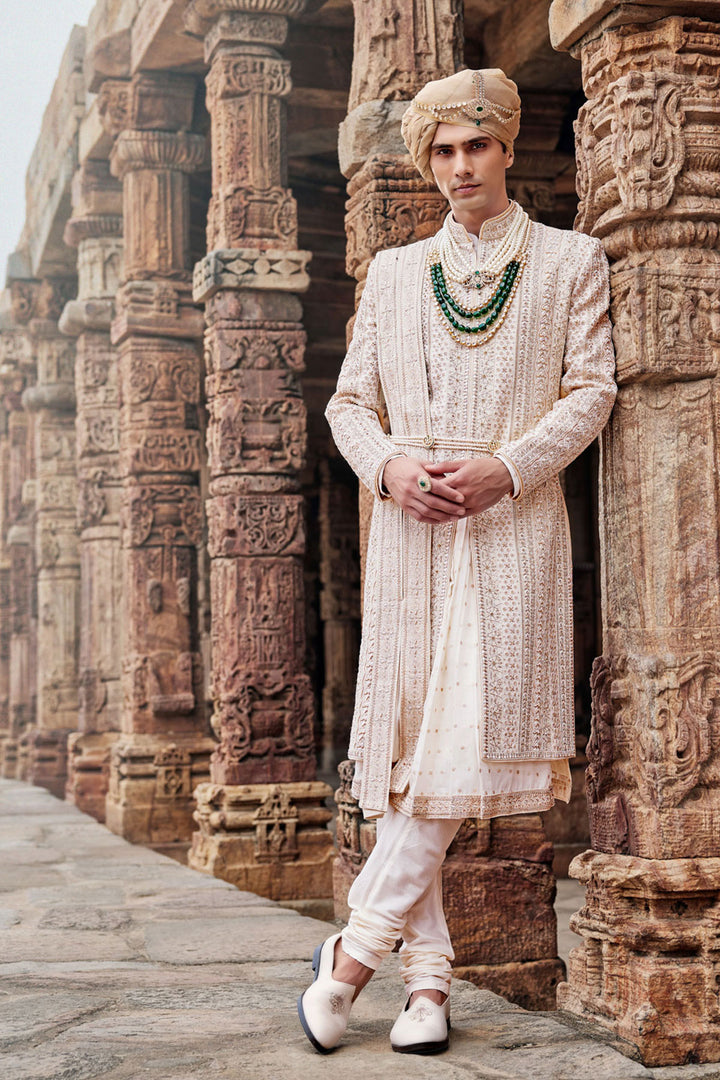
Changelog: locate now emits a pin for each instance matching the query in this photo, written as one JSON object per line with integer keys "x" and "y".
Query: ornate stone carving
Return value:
{"x": 54, "y": 634}
{"x": 155, "y": 330}
{"x": 389, "y": 205}
{"x": 647, "y": 148}
{"x": 339, "y": 604}
{"x": 270, "y": 838}
{"x": 173, "y": 773}
{"x": 163, "y": 514}
{"x": 114, "y": 105}
{"x": 244, "y": 525}
{"x": 648, "y": 179}
{"x": 201, "y": 14}
{"x": 263, "y": 700}
{"x": 250, "y": 269}
{"x": 276, "y": 821}
{"x": 400, "y": 47}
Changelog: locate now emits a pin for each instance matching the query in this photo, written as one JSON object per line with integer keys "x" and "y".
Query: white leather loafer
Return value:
{"x": 324, "y": 1008}
{"x": 421, "y": 1028}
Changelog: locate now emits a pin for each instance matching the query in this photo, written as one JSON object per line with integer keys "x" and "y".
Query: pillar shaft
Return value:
{"x": 648, "y": 181}
{"x": 96, "y": 230}
{"x": 164, "y": 748}
{"x": 53, "y": 667}
{"x": 15, "y": 359}
{"x": 262, "y": 820}
{"x": 22, "y": 690}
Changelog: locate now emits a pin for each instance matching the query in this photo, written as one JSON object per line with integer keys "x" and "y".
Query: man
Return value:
{"x": 489, "y": 345}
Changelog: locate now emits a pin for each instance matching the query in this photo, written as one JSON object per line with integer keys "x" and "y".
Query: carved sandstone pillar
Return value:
{"x": 14, "y": 358}
{"x": 649, "y": 166}
{"x": 96, "y": 230}
{"x": 52, "y": 402}
{"x": 20, "y": 533}
{"x": 500, "y": 944}
{"x": 164, "y": 748}
{"x": 4, "y": 580}
{"x": 263, "y": 818}
{"x": 339, "y": 605}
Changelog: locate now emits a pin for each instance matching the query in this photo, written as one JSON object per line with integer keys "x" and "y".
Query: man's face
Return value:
{"x": 470, "y": 172}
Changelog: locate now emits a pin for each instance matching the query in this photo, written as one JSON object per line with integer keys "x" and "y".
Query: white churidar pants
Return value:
{"x": 398, "y": 893}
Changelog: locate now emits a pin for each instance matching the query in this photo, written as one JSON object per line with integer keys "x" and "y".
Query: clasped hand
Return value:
{"x": 459, "y": 488}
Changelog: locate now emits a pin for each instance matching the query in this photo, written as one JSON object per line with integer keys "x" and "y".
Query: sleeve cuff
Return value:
{"x": 515, "y": 475}
{"x": 380, "y": 491}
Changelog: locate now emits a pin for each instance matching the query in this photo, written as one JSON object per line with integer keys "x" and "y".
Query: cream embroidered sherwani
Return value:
{"x": 537, "y": 393}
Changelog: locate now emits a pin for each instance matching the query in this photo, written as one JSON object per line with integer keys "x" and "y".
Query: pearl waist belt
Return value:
{"x": 429, "y": 442}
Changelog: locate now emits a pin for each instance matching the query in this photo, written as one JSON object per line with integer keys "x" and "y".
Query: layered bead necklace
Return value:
{"x": 449, "y": 265}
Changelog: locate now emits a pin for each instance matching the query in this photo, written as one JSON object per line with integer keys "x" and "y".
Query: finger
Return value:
{"x": 439, "y": 467}
{"x": 447, "y": 506}
{"x": 433, "y": 518}
{"x": 444, "y": 491}
{"x": 424, "y": 512}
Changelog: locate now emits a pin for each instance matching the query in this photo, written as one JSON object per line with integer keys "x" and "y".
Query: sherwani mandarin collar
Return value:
{"x": 491, "y": 231}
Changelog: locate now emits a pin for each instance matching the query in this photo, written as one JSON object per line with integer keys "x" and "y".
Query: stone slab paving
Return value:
{"x": 119, "y": 963}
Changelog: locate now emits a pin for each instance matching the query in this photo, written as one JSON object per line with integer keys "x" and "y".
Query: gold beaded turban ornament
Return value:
{"x": 484, "y": 100}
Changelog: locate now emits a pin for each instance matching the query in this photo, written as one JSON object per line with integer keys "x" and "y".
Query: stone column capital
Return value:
{"x": 159, "y": 150}
{"x": 236, "y": 74}
{"x": 149, "y": 102}
{"x": 200, "y": 15}
{"x": 97, "y": 204}
{"x": 571, "y": 22}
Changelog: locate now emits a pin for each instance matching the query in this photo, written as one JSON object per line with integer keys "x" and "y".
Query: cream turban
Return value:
{"x": 483, "y": 100}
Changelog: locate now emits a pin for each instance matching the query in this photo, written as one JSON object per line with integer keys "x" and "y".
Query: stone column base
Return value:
{"x": 9, "y": 759}
{"x": 22, "y": 764}
{"x": 152, "y": 779}
{"x": 89, "y": 770}
{"x": 270, "y": 839}
{"x": 43, "y": 759}
{"x": 648, "y": 967}
{"x": 532, "y": 984}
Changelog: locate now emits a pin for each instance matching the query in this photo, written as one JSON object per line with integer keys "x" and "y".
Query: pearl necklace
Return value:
{"x": 455, "y": 260}
{"x": 448, "y": 260}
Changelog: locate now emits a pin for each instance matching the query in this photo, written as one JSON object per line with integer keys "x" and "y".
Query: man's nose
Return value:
{"x": 462, "y": 164}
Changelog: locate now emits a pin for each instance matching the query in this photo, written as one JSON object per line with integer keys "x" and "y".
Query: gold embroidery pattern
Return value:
{"x": 483, "y": 806}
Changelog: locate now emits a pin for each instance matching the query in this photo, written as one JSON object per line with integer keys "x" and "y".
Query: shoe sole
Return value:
{"x": 426, "y": 1049}
{"x": 301, "y": 1012}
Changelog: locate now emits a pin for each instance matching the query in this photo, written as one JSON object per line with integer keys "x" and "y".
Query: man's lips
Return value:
{"x": 466, "y": 187}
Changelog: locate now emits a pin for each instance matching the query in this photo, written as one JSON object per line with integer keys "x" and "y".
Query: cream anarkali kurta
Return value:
{"x": 465, "y": 693}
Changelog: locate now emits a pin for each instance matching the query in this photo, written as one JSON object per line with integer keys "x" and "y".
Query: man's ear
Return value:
{"x": 510, "y": 159}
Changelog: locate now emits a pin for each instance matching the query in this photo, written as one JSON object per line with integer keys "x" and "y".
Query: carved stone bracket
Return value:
{"x": 250, "y": 269}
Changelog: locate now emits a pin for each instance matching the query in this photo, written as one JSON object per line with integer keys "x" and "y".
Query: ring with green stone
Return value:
{"x": 424, "y": 483}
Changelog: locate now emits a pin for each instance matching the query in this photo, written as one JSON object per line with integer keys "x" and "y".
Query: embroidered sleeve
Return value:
{"x": 353, "y": 411}
{"x": 587, "y": 387}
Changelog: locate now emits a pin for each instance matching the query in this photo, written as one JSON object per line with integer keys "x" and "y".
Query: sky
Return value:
{"x": 33, "y": 36}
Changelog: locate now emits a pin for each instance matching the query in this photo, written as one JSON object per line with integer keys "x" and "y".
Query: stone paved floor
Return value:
{"x": 119, "y": 963}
